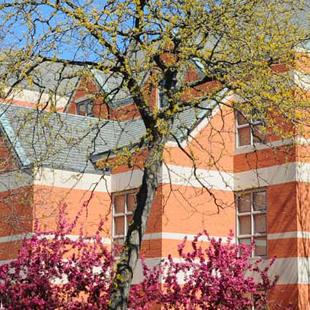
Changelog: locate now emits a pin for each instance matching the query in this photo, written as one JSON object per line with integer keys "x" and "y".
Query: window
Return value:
{"x": 252, "y": 220}
{"x": 123, "y": 206}
{"x": 249, "y": 133}
{"x": 162, "y": 98}
{"x": 85, "y": 107}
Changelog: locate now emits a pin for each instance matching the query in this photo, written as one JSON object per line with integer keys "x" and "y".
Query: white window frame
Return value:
{"x": 252, "y": 214}
{"x": 251, "y": 125}
{"x": 122, "y": 214}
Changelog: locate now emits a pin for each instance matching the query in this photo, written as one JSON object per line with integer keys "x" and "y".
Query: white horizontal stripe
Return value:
{"x": 228, "y": 181}
{"x": 262, "y": 146}
{"x": 265, "y": 176}
{"x": 185, "y": 176}
{"x": 76, "y": 237}
{"x": 5, "y": 261}
{"x": 87, "y": 181}
{"x": 170, "y": 174}
{"x": 12, "y": 238}
{"x": 35, "y": 97}
{"x": 280, "y": 174}
{"x": 289, "y": 235}
{"x": 292, "y": 270}
{"x": 178, "y": 175}
{"x": 126, "y": 180}
{"x": 302, "y": 80}
{"x": 178, "y": 236}
{"x": 74, "y": 180}
{"x": 19, "y": 237}
{"x": 303, "y": 172}
{"x": 299, "y": 140}
{"x": 71, "y": 180}
{"x": 181, "y": 236}
{"x": 174, "y": 236}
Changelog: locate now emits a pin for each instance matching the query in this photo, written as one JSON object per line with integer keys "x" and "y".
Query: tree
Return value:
{"x": 235, "y": 43}
{"x": 54, "y": 271}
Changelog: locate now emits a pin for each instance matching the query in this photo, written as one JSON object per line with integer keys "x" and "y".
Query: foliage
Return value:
{"x": 56, "y": 271}
{"x": 233, "y": 44}
{"x": 214, "y": 277}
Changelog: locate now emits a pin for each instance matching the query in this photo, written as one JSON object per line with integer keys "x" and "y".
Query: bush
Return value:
{"x": 56, "y": 271}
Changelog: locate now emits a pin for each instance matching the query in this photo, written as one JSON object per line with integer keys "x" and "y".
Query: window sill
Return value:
{"x": 261, "y": 146}
{"x": 252, "y": 148}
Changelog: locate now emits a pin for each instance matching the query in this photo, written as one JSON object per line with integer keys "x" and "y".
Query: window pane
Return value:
{"x": 259, "y": 201}
{"x": 246, "y": 241}
{"x": 82, "y": 108}
{"x": 131, "y": 202}
{"x": 244, "y": 203}
{"x": 241, "y": 119}
{"x": 85, "y": 107}
{"x": 119, "y": 204}
{"x": 119, "y": 225}
{"x": 258, "y": 134}
{"x": 260, "y": 246}
{"x": 129, "y": 219}
{"x": 260, "y": 223}
{"x": 89, "y": 108}
{"x": 244, "y": 225}
{"x": 244, "y": 136}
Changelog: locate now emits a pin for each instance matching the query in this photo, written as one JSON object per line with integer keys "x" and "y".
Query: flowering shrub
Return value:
{"x": 55, "y": 271}
{"x": 213, "y": 277}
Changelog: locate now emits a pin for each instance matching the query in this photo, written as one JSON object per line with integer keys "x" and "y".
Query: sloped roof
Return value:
{"x": 61, "y": 79}
{"x": 111, "y": 84}
{"x": 64, "y": 141}
{"x": 69, "y": 142}
{"x": 49, "y": 77}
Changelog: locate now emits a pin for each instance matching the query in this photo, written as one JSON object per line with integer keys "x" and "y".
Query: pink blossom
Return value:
{"x": 53, "y": 271}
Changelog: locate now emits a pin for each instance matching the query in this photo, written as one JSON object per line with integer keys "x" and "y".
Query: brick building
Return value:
{"x": 257, "y": 185}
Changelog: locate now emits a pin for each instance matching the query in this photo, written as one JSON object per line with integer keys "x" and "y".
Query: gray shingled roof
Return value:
{"x": 67, "y": 141}
{"x": 64, "y": 141}
{"x": 49, "y": 77}
{"x": 112, "y": 84}
{"x": 61, "y": 80}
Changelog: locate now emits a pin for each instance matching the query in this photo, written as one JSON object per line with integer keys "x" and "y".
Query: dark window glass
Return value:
{"x": 85, "y": 107}
{"x": 244, "y": 136}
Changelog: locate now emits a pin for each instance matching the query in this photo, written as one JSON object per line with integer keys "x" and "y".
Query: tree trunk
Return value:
{"x": 130, "y": 253}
